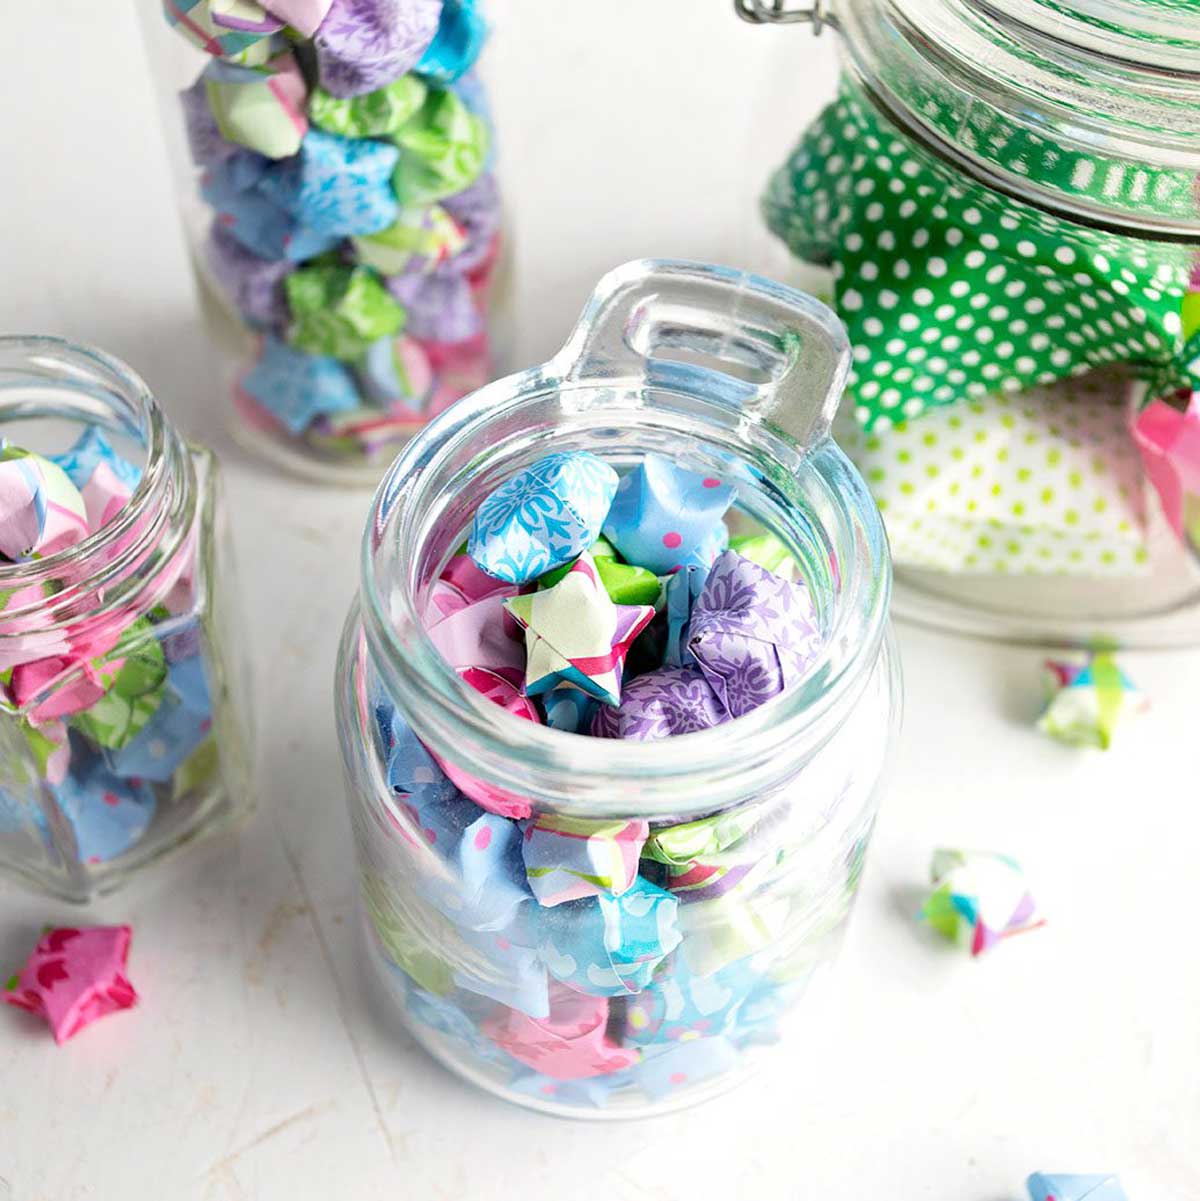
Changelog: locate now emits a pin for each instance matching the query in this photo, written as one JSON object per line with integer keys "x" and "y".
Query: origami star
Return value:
{"x": 179, "y": 725}
{"x": 74, "y": 977}
{"x": 570, "y": 1044}
{"x": 261, "y": 109}
{"x": 609, "y": 946}
{"x": 751, "y": 633}
{"x": 546, "y": 516}
{"x": 665, "y": 516}
{"x": 296, "y": 388}
{"x": 981, "y": 896}
{"x": 660, "y": 704}
{"x": 41, "y": 511}
{"x": 625, "y": 583}
{"x": 568, "y": 858}
{"x": 574, "y": 634}
{"x": 1088, "y": 697}
{"x": 107, "y": 814}
{"x": 1057, "y": 1186}
{"x": 1169, "y": 439}
{"x": 105, "y": 480}
{"x": 336, "y": 186}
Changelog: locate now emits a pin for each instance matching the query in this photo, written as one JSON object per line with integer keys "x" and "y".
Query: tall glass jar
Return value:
{"x": 335, "y": 161}
{"x": 736, "y": 377}
{"x": 122, "y": 726}
{"x": 1007, "y": 194}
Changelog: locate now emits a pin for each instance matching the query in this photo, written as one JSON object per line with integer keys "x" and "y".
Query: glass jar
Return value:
{"x": 335, "y": 164}
{"x": 737, "y": 377}
{"x": 1007, "y": 194}
{"x": 121, "y": 731}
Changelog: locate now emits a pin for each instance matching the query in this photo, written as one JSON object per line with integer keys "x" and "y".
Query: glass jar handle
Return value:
{"x": 780, "y": 355}
{"x": 776, "y": 12}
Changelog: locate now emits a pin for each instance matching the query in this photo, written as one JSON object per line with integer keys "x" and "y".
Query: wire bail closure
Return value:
{"x": 773, "y": 12}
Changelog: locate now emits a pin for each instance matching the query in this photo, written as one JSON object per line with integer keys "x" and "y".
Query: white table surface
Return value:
{"x": 255, "y": 1066}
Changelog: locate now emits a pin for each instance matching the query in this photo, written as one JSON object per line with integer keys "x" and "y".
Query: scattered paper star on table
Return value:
{"x": 73, "y": 977}
{"x": 574, "y": 634}
{"x": 1089, "y": 696}
{"x": 979, "y": 897}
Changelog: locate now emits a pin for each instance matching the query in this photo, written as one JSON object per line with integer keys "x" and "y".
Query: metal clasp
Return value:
{"x": 774, "y": 12}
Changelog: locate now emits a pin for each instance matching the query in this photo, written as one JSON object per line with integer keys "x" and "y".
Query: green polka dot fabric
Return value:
{"x": 951, "y": 291}
{"x": 1047, "y": 482}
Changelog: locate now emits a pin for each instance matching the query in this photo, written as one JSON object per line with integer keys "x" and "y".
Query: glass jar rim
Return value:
{"x": 156, "y": 517}
{"x": 1060, "y": 113}
{"x": 599, "y": 773}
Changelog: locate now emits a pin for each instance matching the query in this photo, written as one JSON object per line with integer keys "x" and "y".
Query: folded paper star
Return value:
{"x": 677, "y": 1005}
{"x": 235, "y": 186}
{"x": 570, "y": 1044}
{"x": 363, "y": 44}
{"x": 451, "y": 1019}
{"x": 296, "y": 388}
{"x": 508, "y": 696}
{"x": 481, "y": 634}
{"x": 339, "y": 311}
{"x": 213, "y": 25}
{"x": 419, "y": 240}
{"x": 1088, "y": 697}
{"x": 75, "y": 976}
{"x": 1169, "y": 439}
{"x": 682, "y": 592}
{"x": 377, "y": 114}
{"x": 625, "y": 583}
{"x": 443, "y": 150}
{"x": 660, "y": 704}
{"x": 752, "y": 633}
{"x": 574, "y": 634}
{"x": 1058, "y": 1186}
{"x": 105, "y": 480}
{"x": 394, "y": 373}
{"x": 569, "y": 858}
{"x": 41, "y": 511}
{"x": 979, "y": 898}
{"x": 179, "y": 725}
{"x": 609, "y": 946}
{"x": 336, "y": 186}
{"x": 460, "y": 36}
{"x": 546, "y": 516}
{"x": 107, "y": 814}
{"x": 714, "y": 855}
{"x": 259, "y": 108}
{"x": 663, "y": 516}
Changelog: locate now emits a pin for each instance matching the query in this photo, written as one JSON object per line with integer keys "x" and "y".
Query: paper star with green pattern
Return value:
{"x": 575, "y": 634}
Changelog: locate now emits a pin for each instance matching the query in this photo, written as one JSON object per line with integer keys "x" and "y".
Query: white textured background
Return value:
{"x": 255, "y": 1066}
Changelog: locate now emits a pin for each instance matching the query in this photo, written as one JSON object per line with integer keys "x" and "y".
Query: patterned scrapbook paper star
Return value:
{"x": 73, "y": 977}
{"x": 574, "y": 634}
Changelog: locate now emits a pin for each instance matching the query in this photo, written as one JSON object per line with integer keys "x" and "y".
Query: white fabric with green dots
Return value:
{"x": 1044, "y": 481}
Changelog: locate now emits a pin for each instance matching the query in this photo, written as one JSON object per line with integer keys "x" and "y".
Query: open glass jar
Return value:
{"x": 1006, "y": 191}
{"x": 121, "y": 728}
{"x": 736, "y": 377}
{"x": 335, "y": 168}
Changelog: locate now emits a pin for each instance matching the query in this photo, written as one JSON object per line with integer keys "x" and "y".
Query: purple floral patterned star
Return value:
{"x": 752, "y": 633}
{"x": 364, "y": 44}
{"x": 671, "y": 700}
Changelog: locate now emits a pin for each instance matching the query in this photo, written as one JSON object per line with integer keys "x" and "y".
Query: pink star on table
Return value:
{"x": 575, "y": 634}
{"x": 75, "y": 976}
